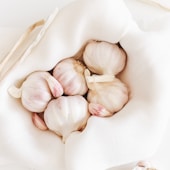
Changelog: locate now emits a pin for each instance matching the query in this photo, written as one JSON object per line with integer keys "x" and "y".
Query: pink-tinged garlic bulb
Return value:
{"x": 105, "y": 96}
{"x": 70, "y": 73}
{"x": 104, "y": 58}
{"x": 66, "y": 114}
{"x": 37, "y": 90}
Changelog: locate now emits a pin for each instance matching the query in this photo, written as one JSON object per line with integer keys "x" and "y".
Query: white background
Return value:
{"x": 20, "y": 14}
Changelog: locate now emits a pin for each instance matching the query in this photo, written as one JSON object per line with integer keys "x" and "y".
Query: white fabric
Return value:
{"x": 132, "y": 134}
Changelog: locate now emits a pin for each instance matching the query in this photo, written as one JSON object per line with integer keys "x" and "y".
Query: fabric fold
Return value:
{"x": 132, "y": 134}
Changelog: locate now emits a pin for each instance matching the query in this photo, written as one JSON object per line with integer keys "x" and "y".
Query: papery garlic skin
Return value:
{"x": 106, "y": 98}
{"x": 38, "y": 122}
{"x": 99, "y": 110}
{"x": 70, "y": 73}
{"x": 37, "y": 90}
{"x": 66, "y": 114}
{"x": 104, "y": 58}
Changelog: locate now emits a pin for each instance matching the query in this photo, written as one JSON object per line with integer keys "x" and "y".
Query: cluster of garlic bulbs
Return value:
{"x": 63, "y": 99}
{"x": 107, "y": 94}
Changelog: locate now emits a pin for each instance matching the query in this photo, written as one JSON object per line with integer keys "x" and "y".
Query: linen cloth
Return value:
{"x": 134, "y": 133}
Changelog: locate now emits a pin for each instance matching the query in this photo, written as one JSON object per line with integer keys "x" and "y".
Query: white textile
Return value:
{"x": 132, "y": 134}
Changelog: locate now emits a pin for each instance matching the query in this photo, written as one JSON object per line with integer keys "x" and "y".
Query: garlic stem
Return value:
{"x": 86, "y": 73}
{"x": 98, "y": 78}
{"x": 6, "y": 64}
{"x": 91, "y": 80}
{"x": 101, "y": 78}
{"x": 14, "y": 91}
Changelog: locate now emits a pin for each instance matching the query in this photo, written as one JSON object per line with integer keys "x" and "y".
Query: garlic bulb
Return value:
{"x": 66, "y": 114}
{"x": 105, "y": 97}
{"x": 70, "y": 73}
{"x": 37, "y": 90}
{"x": 104, "y": 58}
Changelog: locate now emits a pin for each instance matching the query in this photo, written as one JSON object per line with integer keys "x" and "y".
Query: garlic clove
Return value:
{"x": 55, "y": 86}
{"x": 66, "y": 114}
{"x": 38, "y": 122}
{"x": 104, "y": 58}
{"x": 98, "y": 110}
{"x": 70, "y": 73}
{"x": 36, "y": 91}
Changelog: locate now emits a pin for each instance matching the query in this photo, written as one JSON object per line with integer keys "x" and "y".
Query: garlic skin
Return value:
{"x": 38, "y": 122}
{"x": 99, "y": 110}
{"x": 66, "y": 114}
{"x": 37, "y": 90}
{"x": 105, "y": 97}
{"x": 104, "y": 58}
{"x": 70, "y": 73}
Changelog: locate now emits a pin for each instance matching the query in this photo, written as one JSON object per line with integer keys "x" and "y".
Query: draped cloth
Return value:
{"x": 132, "y": 134}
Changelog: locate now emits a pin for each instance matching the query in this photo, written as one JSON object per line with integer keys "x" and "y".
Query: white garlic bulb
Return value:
{"x": 70, "y": 73}
{"x": 104, "y": 58}
{"x": 37, "y": 90}
{"x": 105, "y": 97}
{"x": 66, "y": 114}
